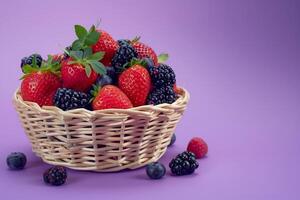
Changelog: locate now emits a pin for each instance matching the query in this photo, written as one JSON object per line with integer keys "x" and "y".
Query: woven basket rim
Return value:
{"x": 179, "y": 103}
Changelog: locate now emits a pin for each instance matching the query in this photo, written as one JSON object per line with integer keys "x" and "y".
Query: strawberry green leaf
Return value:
{"x": 81, "y": 32}
{"x": 76, "y": 45}
{"x": 77, "y": 55}
{"x": 162, "y": 57}
{"x": 96, "y": 56}
{"x": 92, "y": 29}
{"x": 92, "y": 38}
{"x": 88, "y": 70}
{"x": 28, "y": 69}
{"x": 95, "y": 90}
{"x": 66, "y": 51}
{"x": 34, "y": 61}
{"x": 50, "y": 59}
{"x": 87, "y": 52}
{"x": 72, "y": 62}
{"x": 98, "y": 67}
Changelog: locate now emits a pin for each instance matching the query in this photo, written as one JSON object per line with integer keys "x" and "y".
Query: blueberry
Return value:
{"x": 16, "y": 161}
{"x": 104, "y": 80}
{"x": 110, "y": 71}
{"x": 155, "y": 170}
{"x": 149, "y": 62}
{"x": 173, "y": 139}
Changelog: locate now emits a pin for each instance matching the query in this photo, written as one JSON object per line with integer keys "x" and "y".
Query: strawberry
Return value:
{"x": 40, "y": 84}
{"x": 74, "y": 76}
{"x": 106, "y": 44}
{"x": 135, "y": 82}
{"x": 198, "y": 146}
{"x": 81, "y": 69}
{"x": 144, "y": 51}
{"x": 108, "y": 97}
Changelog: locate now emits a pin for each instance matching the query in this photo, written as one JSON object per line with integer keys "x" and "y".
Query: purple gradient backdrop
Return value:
{"x": 240, "y": 61}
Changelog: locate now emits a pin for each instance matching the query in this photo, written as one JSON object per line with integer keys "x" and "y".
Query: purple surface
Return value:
{"x": 240, "y": 61}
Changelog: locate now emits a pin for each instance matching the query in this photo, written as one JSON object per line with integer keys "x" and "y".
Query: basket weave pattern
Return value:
{"x": 105, "y": 140}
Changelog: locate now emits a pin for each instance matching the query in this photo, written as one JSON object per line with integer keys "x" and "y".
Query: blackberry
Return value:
{"x": 55, "y": 176}
{"x": 185, "y": 163}
{"x": 124, "y": 54}
{"x": 155, "y": 170}
{"x": 123, "y": 42}
{"x": 162, "y": 75}
{"x": 16, "y": 160}
{"x": 68, "y": 99}
{"x": 162, "y": 95}
{"x": 29, "y": 60}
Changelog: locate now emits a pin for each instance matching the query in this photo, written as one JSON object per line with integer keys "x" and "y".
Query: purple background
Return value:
{"x": 240, "y": 61}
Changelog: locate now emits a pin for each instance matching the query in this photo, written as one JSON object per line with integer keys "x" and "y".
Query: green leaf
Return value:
{"x": 34, "y": 61}
{"x": 95, "y": 91}
{"x": 81, "y": 32}
{"x": 66, "y": 51}
{"x": 98, "y": 67}
{"x": 76, "y": 45}
{"x": 87, "y": 52}
{"x": 96, "y": 56}
{"x": 92, "y": 38}
{"x": 28, "y": 69}
{"x": 77, "y": 55}
{"x": 72, "y": 62}
{"x": 88, "y": 70}
{"x": 162, "y": 57}
{"x": 50, "y": 59}
{"x": 93, "y": 28}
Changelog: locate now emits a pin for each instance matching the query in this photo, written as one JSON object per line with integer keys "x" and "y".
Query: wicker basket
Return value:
{"x": 105, "y": 140}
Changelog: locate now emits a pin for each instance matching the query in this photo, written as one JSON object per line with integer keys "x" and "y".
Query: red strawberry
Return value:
{"x": 144, "y": 51}
{"x": 110, "y": 97}
{"x": 81, "y": 70}
{"x": 74, "y": 76}
{"x": 107, "y": 45}
{"x": 40, "y": 84}
{"x": 198, "y": 146}
{"x": 135, "y": 82}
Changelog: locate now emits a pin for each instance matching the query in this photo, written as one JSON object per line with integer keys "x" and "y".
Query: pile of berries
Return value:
{"x": 97, "y": 72}
{"x": 183, "y": 164}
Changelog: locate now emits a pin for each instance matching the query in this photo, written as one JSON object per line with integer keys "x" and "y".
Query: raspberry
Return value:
{"x": 198, "y": 146}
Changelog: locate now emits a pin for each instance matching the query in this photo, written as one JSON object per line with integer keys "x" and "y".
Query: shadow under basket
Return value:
{"x": 104, "y": 140}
